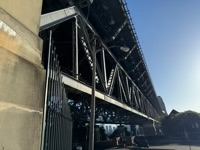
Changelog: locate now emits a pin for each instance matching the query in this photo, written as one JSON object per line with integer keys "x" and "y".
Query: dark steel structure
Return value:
{"x": 100, "y": 57}
{"x": 57, "y": 124}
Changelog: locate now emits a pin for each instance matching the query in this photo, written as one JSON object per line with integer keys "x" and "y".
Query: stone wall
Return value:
{"x": 22, "y": 78}
{"x": 25, "y": 11}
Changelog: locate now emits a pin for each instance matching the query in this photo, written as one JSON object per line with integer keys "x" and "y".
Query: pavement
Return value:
{"x": 162, "y": 147}
{"x": 176, "y": 147}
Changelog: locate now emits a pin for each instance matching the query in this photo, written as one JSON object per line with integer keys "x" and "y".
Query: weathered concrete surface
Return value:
{"x": 25, "y": 11}
{"x": 18, "y": 39}
{"x": 22, "y": 80}
{"x": 21, "y": 102}
{"x": 19, "y": 128}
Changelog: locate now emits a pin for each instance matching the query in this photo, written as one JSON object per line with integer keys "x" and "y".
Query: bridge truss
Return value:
{"x": 99, "y": 55}
{"x": 114, "y": 84}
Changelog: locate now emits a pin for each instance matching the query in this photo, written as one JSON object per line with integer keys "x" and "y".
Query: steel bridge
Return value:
{"x": 68, "y": 66}
{"x": 100, "y": 56}
{"x": 122, "y": 77}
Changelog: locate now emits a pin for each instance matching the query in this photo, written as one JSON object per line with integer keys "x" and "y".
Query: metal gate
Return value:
{"x": 57, "y": 122}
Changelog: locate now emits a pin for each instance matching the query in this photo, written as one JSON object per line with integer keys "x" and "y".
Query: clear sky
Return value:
{"x": 169, "y": 34}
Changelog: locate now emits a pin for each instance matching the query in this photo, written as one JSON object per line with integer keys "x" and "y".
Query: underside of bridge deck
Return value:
{"x": 101, "y": 62}
{"x": 112, "y": 22}
{"x": 124, "y": 90}
{"x": 73, "y": 36}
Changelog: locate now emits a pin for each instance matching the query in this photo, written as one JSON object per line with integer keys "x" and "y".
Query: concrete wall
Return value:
{"x": 25, "y": 11}
{"x": 21, "y": 102}
{"x": 22, "y": 78}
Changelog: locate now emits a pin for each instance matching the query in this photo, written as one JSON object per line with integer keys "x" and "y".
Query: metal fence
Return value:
{"x": 57, "y": 123}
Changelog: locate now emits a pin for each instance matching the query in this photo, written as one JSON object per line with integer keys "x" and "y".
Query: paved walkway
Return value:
{"x": 176, "y": 147}
{"x": 163, "y": 147}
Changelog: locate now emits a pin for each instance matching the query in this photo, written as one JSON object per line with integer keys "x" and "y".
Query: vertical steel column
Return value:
{"x": 76, "y": 24}
{"x": 75, "y": 70}
{"x": 113, "y": 79}
{"x": 122, "y": 87}
{"x": 93, "y": 100}
{"x": 104, "y": 68}
{"x": 128, "y": 90}
{"x": 46, "y": 92}
{"x": 135, "y": 97}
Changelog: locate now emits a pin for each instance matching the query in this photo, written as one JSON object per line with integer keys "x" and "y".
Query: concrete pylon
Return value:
{"x": 22, "y": 78}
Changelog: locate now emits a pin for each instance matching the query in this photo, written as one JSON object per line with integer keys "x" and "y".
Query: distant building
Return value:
{"x": 182, "y": 125}
{"x": 173, "y": 112}
{"x": 162, "y": 105}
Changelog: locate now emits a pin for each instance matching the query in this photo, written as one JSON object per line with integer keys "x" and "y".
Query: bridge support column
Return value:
{"x": 150, "y": 129}
{"x": 22, "y": 78}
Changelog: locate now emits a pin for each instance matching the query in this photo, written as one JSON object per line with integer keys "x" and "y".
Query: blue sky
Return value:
{"x": 169, "y": 34}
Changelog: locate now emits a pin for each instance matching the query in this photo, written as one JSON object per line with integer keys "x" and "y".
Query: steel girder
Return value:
{"x": 81, "y": 109}
{"x": 113, "y": 80}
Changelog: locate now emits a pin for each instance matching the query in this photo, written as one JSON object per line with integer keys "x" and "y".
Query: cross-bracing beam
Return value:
{"x": 47, "y": 22}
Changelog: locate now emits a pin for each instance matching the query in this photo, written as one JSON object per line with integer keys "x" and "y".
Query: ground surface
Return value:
{"x": 163, "y": 147}
{"x": 176, "y": 147}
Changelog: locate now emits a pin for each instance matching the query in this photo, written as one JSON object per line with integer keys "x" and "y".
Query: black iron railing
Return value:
{"x": 57, "y": 122}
